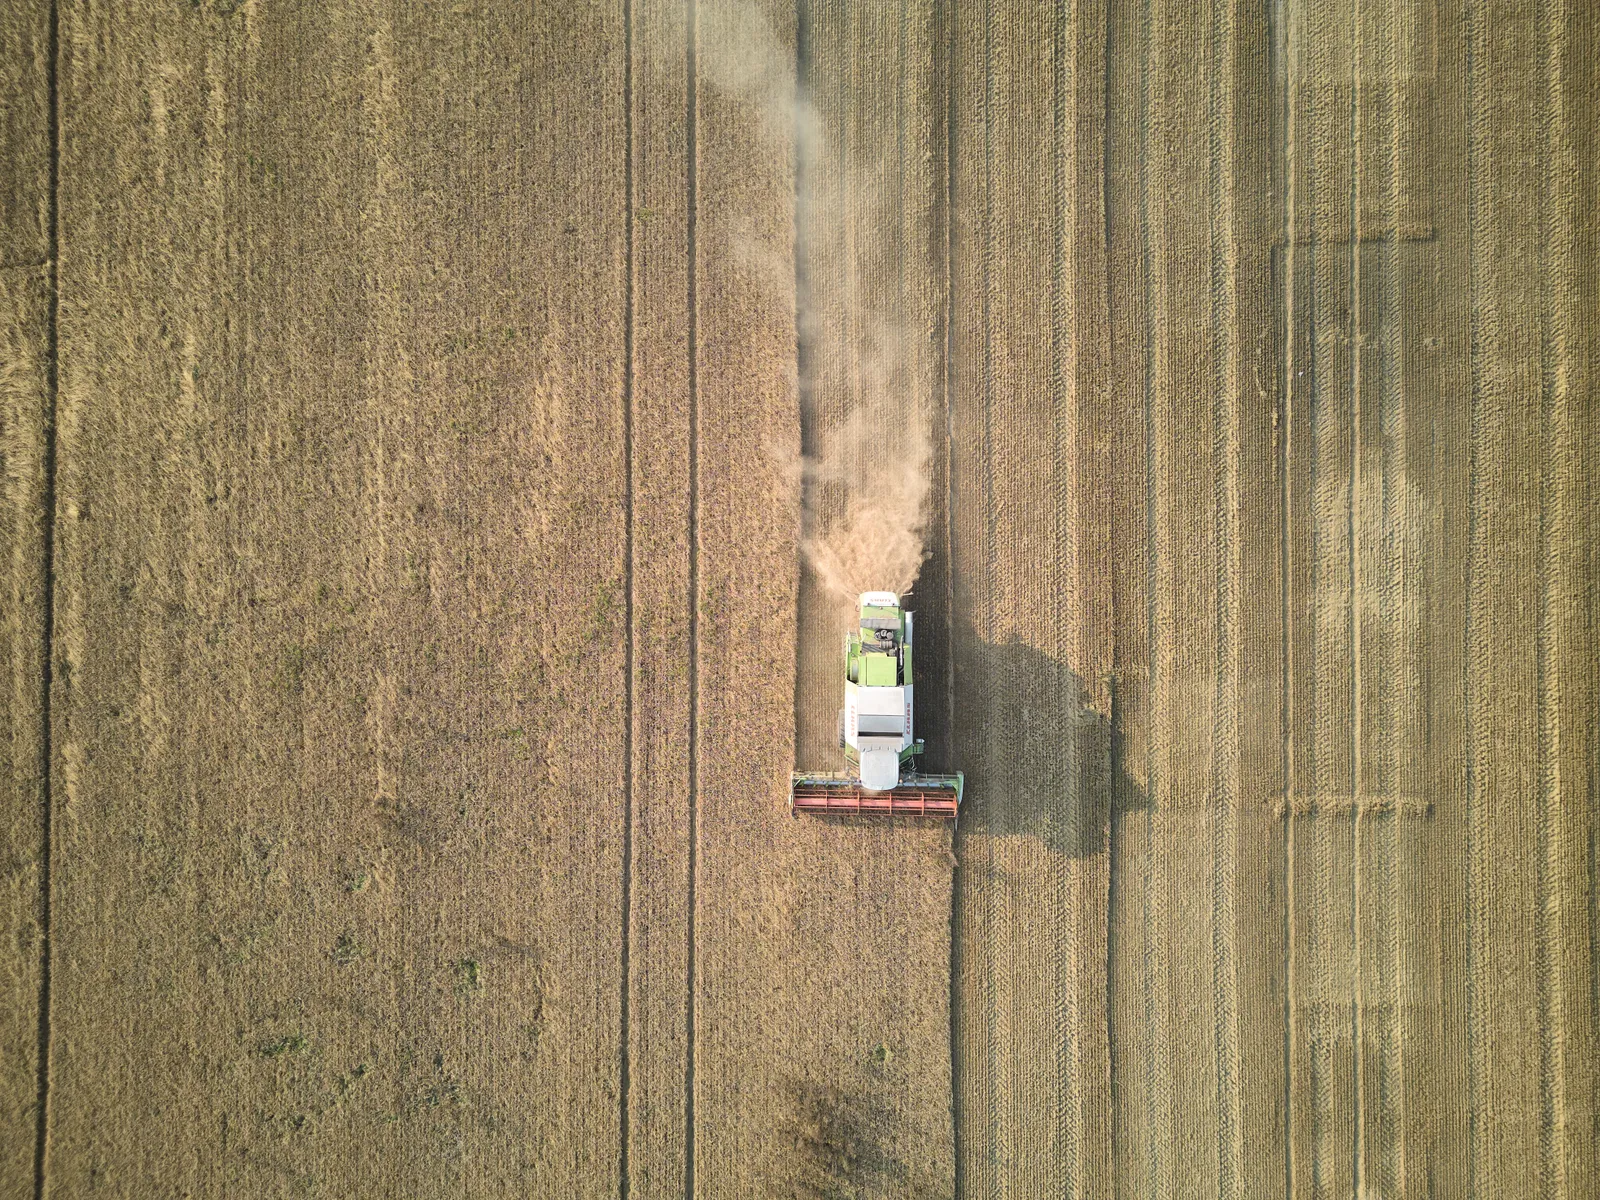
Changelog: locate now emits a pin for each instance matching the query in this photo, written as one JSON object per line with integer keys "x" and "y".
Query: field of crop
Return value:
{"x": 428, "y": 432}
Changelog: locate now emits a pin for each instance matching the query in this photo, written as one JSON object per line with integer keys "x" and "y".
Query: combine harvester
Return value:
{"x": 875, "y": 728}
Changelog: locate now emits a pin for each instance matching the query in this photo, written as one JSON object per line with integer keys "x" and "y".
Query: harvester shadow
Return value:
{"x": 1041, "y": 760}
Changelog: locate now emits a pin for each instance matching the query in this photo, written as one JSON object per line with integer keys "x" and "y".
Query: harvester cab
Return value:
{"x": 876, "y": 730}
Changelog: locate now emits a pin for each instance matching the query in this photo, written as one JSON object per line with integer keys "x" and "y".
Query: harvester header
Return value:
{"x": 876, "y": 730}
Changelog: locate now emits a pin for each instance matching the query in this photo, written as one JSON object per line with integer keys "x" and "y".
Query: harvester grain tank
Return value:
{"x": 876, "y": 728}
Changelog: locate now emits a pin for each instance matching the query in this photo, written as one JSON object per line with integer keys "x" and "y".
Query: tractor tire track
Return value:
{"x": 656, "y": 1135}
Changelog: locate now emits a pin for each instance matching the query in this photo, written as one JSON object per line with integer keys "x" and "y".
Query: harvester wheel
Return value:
{"x": 841, "y": 729}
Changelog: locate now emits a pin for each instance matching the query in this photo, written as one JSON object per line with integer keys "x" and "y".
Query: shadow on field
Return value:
{"x": 1037, "y": 755}
{"x": 836, "y": 1140}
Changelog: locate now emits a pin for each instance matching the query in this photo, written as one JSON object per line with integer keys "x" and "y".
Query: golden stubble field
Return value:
{"x": 411, "y": 420}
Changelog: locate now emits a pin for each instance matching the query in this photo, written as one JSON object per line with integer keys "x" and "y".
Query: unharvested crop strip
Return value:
{"x": 1398, "y": 657}
{"x": 1114, "y": 714}
{"x": 1358, "y": 1142}
{"x": 902, "y": 105}
{"x": 1066, "y": 1149}
{"x": 1151, "y": 1147}
{"x": 949, "y": 394}
{"x": 997, "y": 1129}
{"x": 1322, "y": 510}
{"x": 1158, "y": 1088}
{"x": 1285, "y": 43}
{"x": 1223, "y": 127}
{"x": 1548, "y": 919}
{"x": 1151, "y": 1137}
{"x": 1580, "y": 357}
{"x": 1319, "y": 1088}
{"x": 802, "y": 306}
{"x": 1547, "y": 705}
{"x": 41, "y": 1143}
{"x": 692, "y": 185}
{"x": 958, "y": 873}
{"x": 1471, "y": 635}
{"x": 625, "y": 1050}
{"x": 1563, "y": 460}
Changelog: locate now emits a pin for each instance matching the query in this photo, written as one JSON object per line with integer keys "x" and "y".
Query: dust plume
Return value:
{"x": 865, "y": 487}
{"x": 866, "y": 391}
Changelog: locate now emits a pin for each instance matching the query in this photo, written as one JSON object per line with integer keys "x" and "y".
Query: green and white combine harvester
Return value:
{"x": 875, "y": 729}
